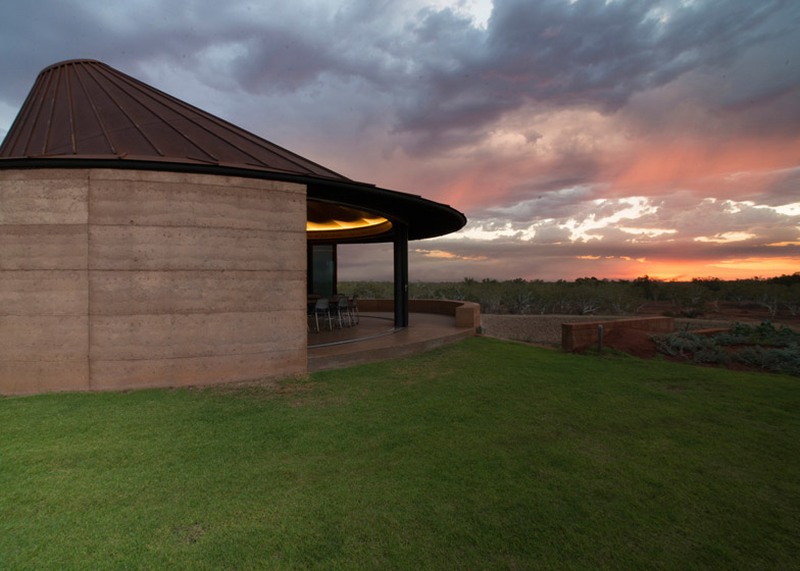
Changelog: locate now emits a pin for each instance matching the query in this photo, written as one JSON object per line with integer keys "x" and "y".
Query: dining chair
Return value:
{"x": 322, "y": 308}
{"x": 343, "y": 312}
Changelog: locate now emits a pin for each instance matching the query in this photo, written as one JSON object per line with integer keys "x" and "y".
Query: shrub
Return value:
{"x": 683, "y": 344}
{"x": 764, "y": 334}
{"x": 713, "y": 355}
{"x": 768, "y": 348}
{"x": 692, "y": 347}
{"x": 775, "y": 359}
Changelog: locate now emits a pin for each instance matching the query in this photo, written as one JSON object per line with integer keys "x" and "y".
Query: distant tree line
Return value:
{"x": 590, "y": 295}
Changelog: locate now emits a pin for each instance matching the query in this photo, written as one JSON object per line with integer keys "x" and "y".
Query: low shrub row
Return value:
{"x": 762, "y": 347}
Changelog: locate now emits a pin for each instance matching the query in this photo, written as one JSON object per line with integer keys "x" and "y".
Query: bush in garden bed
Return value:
{"x": 764, "y": 334}
{"x": 764, "y": 347}
{"x": 692, "y": 347}
{"x": 775, "y": 359}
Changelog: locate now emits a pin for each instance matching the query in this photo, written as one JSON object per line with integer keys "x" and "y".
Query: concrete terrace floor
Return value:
{"x": 375, "y": 339}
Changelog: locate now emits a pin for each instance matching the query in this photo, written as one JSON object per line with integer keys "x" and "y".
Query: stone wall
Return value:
{"x": 114, "y": 279}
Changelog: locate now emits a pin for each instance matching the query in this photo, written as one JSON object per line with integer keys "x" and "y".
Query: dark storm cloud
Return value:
{"x": 126, "y": 35}
{"x": 445, "y": 79}
{"x": 555, "y": 53}
{"x": 280, "y": 60}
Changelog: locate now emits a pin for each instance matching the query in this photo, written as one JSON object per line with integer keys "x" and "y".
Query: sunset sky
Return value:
{"x": 612, "y": 138}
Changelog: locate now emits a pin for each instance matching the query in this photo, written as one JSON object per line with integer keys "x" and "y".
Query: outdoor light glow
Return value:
{"x": 326, "y": 221}
{"x": 330, "y": 225}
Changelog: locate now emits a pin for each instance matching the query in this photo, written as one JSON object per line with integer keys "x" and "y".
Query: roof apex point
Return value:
{"x": 76, "y": 61}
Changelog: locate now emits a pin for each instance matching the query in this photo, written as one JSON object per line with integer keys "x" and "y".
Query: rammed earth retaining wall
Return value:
{"x": 577, "y": 336}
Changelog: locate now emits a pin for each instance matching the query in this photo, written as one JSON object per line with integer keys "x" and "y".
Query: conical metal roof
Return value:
{"x": 87, "y": 109}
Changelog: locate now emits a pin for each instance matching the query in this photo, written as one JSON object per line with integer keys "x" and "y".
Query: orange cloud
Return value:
{"x": 445, "y": 255}
{"x": 706, "y": 165}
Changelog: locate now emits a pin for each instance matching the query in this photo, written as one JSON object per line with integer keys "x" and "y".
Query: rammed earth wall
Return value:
{"x": 116, "y": 279}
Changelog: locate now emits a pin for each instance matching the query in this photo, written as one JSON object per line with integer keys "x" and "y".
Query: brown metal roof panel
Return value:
{"x": 18, "y": 139}
{"x": 117, "y": 112}
{"x": 60, "y": 115}
{"x": 219, "y": 138}
{"x": 86, "y": 108}
{"x": 90, "y": 128}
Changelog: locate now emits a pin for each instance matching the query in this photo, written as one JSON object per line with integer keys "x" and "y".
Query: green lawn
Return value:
{"x": 482, "y": 455}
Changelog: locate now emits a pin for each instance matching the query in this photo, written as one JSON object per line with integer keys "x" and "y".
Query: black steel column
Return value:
{"x": 400, "y": 275}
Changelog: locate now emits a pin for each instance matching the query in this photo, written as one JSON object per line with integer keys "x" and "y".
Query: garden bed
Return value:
{"x": 760, "y": 347}
{"x": 748, "y": 346}
{"x": 546, "y": 329}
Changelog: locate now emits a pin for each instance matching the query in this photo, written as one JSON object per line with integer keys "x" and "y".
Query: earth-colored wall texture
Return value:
{"x": 120, "y": 279}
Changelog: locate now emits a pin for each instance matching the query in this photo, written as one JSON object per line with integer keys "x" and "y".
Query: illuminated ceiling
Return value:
{"x": 329, "y": 221}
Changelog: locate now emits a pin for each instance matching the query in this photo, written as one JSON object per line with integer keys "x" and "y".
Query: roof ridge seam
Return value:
{"x": 119, "y": 105}
{"x": 95, "y": 112}
{"x": 119, "y": 76}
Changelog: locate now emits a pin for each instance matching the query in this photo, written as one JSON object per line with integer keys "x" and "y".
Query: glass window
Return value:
{"x": 322, "y": 270}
